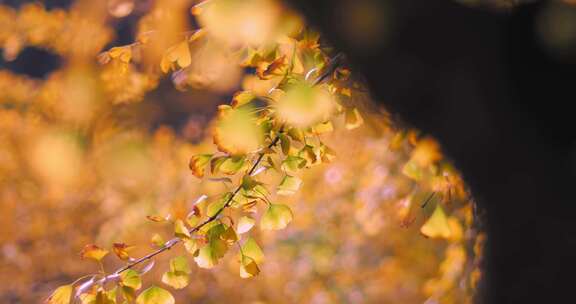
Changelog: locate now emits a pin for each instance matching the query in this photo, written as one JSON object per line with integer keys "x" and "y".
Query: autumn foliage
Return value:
{"x": 293, "y": 190}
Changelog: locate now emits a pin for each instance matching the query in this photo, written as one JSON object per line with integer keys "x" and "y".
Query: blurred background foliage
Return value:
{"x": 92, "y": 143}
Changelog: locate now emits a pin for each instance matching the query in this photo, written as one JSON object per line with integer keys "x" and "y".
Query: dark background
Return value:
{"x": 499, "y": 99}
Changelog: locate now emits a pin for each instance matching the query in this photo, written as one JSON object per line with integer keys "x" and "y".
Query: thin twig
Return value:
{"x": 427, "y": 200}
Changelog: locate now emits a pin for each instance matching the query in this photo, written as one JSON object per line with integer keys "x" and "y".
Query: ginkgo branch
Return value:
{"x": 328, "y": 70}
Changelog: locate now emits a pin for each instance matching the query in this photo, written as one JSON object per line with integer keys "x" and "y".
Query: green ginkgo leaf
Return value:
{"x": 289, "y": 185}
{"x": 176, "y": 280}
{"x": 252, "y": 250}
{"x": 276, "y": 217}
{"x": 209, "y": 255}
{"x": 180, "y": 230}
{"x": 155, "y": 295}
{"x": 231, "y": 165}
{"x": 293, "y": 163}
{"x": 284, "y": 143}
{"x": 131, "y": 278}
{"x": 214, "y": 207}
{"x": 179, "y": 264}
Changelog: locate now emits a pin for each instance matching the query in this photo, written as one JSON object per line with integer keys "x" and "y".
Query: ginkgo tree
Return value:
{"x": 297, "y": 91}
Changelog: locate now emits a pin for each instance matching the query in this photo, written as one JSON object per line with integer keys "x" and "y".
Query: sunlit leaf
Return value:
{"x": 229, "y": 235}
{"x": 239, "y": 22}
{"x": 284, "y": 143}
{"x": 252, "y": 250}
{"x": 276, "y": 217}
{"x": 289, "y": 185}
{"x": 237, "y": 131}
{"x": 397, "y": 140}
{"x": 157, "y": 240}
{"x": 214, "y": 207}
{"x": 124, "y": 53}
{"x": 131, "y": 278}
{"x": 272, "y": 164}
{"x": 121, "y": 250}
{"x": 326, "y": 154}
{"x": 248, "y": 267}
{"x": 176, "y": 280}
{"x": 249, "y": 183}
{"x": 94, "y": 252}
{"x": 179, "y": 263}
{"x": 180, "y": 230}
{"x": 193, "y": 218}
{"x": 308, "y": 153}
{"x": 352, "y": 119}
{"x": 437, "y": 225}
{"x": 128, "y": 294}
{"x": 209, "y": 254}
{"x": 242, "y": 98}
{"x": 304, "y": 105}
{"x": 177, "y": 55}
{"x": 101, "y": 297}
{"x": 293, "y": 163}
{"x": 245, "y": 223}
{"x": 412, "y": 170}
{"x": 155, "y": 295}
{"x": 198, "y": 164}
{"x": 61, "y": 295}
{"x": 323, "y": 127}
{"x": 231, "y": 165}
{"x": 265, "y": 70}
{"x": 216, "y": 246}
{"x": 156, "y": 218}
{"x": 296, "y": 134}
{"x": 178, "y": 276}
{"x": 216, "y": 162}
{"x": 191, "y": 246}
{"x": 250, "y": 206}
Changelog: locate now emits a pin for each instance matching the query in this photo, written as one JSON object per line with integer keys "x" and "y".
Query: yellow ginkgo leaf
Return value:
{"x": 237, "y": 131}
{"x": 155, "y": 295}
{"x": 61, "y": 295}
{"x": 122, "y": 250}
{"x": 131, "y": 278}
{"x": 241, "y": 98}
{"x": 248, "y": 267}
{"x": 289, "y": 185}
{"x": 94, "y": 252}
{"x": 178, "y": 276}
{"x": 124, "y": 53}
{"x": 198, "y": 164}
{"x": 304, "y": 105}
{"x": 276, "y": 217}
{"x": 252, "y": 250}
{"x": 180, "y": 230}
{"x": 437, "y": 225}
{"x": 353, "y": 119}
{"x": 177, "y": 55}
